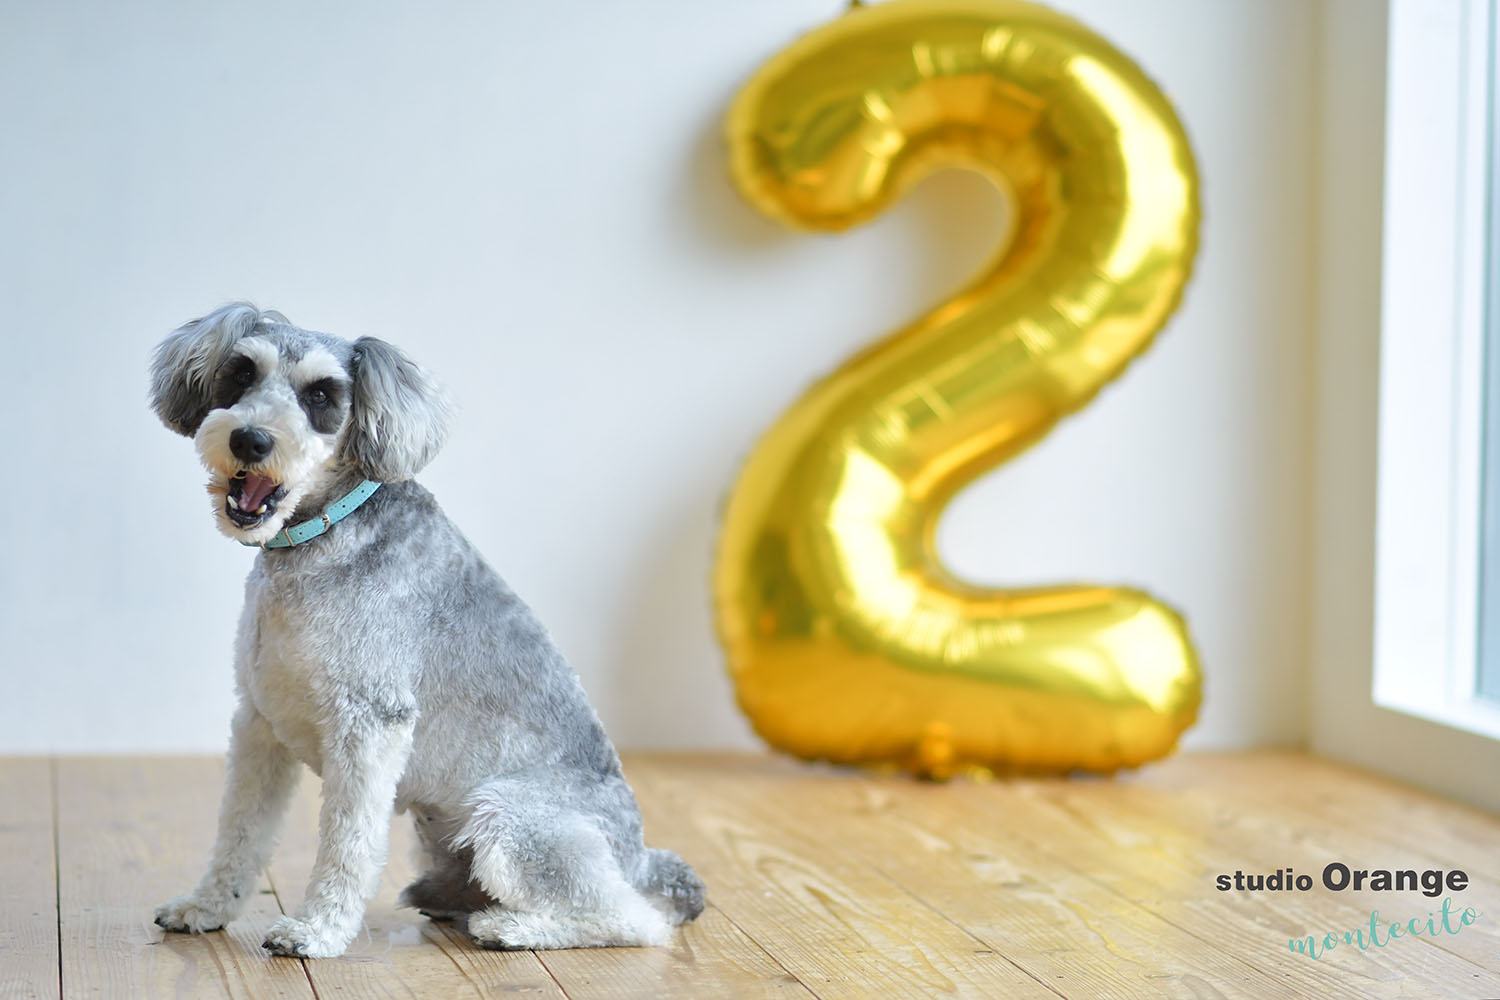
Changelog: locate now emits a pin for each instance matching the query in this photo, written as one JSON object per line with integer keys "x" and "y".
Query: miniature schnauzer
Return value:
{"x": 378, "y": 648}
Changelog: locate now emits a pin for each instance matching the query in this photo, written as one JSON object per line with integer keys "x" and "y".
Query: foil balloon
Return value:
{"x": 846, "y": 638}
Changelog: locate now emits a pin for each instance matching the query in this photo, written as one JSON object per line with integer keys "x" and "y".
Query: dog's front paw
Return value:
{"x": 295, "y": 937}
{"x": 193, "y": 914}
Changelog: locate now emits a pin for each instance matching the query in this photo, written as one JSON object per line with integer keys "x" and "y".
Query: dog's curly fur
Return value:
{"x": 387, "y": 656}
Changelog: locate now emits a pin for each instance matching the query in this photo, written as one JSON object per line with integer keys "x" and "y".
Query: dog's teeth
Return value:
{"x": 261, "y": 509}
{"x": 234, "y": 503}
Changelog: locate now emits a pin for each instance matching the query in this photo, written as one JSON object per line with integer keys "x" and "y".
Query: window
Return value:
{"x": 1398, "y": 375}
{"x": 1437, "y": 569}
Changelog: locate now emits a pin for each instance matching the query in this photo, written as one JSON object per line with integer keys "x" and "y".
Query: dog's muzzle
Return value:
{"x": 252, "y": 496}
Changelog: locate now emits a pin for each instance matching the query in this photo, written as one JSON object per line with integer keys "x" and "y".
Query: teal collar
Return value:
{"x": 308, "y": 530}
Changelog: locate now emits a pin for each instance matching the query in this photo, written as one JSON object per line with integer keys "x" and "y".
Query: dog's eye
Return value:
{"x": 244, "y": 376}
{"x": 317, "y": 397}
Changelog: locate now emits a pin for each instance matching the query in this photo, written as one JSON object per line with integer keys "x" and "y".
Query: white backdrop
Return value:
{"x": 532, "y": 200}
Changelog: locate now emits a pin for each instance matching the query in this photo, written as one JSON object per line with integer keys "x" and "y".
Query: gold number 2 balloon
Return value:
{"x": 846, "y": 638}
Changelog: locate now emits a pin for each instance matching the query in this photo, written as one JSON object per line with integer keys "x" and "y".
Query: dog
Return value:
{"x": 377, "y": 647}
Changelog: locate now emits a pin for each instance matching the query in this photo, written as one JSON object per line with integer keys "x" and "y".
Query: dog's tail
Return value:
{"x": 672, "y": 882}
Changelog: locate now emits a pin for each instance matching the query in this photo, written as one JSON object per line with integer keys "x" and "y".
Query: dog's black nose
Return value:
{"x": 250, "y": 444}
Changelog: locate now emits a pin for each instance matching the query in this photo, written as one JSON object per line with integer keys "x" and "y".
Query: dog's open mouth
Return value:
{"x": 252, "y": 498}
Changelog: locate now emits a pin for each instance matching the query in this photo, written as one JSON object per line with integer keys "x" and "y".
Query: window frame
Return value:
{"x": 1487, "y": 680}
{"x": 1435, "y": 267}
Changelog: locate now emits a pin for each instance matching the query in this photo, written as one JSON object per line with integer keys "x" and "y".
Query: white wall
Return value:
{"x": 531, "y": 199}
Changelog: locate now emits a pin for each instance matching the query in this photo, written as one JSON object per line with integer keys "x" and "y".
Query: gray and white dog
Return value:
{"x": 387, "y": 656}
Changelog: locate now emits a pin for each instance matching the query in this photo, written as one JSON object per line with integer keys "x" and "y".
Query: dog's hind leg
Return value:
{"x": 554, "y": 875}
{"x": 445, "y": 892}
{"x": 504, "y": 929}
{"x": 446, "y": 889}
{"x": 568, "y": 892}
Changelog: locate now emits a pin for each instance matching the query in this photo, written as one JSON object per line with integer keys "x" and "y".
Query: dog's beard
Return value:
{"x": 253, "y": 503}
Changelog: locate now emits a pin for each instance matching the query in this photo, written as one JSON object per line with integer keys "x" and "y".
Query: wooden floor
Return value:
{"x": 821, "y": 883}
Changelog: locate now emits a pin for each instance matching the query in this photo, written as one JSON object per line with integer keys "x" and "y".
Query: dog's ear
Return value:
{"x": 398, "y": 417}
{"x": 183, "y": 367}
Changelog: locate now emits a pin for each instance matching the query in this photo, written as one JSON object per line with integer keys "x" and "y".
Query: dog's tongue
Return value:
{"x": 255, "y": 491}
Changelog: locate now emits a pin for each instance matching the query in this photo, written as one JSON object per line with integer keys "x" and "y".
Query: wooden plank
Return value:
{"x": 838, "y": 883}
{"x": 828, "y": 918}
{"x": 1345, "y": 797}
{"x": 131, "y": 833}
{"x": 28, "y": 881}
{"x": 1157, "y": 854}
{"x": 1022, "y": 900}
{"x": 1275, "y": 818}
{"x": 710, "y": 957}
{"x": 400, "y": 953}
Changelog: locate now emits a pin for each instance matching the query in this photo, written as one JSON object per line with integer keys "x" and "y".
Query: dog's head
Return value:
{"x": 278, "y": 413}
